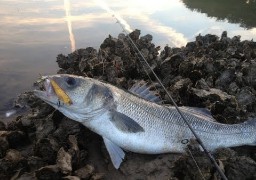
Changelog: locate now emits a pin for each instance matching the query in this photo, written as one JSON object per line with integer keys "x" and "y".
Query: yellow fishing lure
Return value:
{"x": 60, "y": 93}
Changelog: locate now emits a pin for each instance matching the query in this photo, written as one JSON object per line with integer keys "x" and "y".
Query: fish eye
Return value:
{"x": 70, "y": 81}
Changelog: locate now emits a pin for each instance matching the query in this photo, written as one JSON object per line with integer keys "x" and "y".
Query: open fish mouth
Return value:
{"x": 45, "y": 91}
{"x": 45, "y": 87}
{"x": 50, "y": 90}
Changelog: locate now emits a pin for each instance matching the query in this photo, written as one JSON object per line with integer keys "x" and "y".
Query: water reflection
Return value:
{"x": 69, "y": 23}
{"x": 235, "y": 11}
{"x": 33, "y": 32}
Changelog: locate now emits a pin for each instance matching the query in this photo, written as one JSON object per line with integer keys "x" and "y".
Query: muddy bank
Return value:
{"x": 214, "y": 72}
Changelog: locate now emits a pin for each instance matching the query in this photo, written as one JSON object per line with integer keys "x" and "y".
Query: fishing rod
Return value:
{"x": 209, "y": 155}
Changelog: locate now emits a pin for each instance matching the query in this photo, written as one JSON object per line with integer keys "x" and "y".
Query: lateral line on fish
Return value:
{"x": 175, "y": 105}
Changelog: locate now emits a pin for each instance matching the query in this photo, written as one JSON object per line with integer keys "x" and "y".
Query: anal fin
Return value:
{"x": 115, "y": 152}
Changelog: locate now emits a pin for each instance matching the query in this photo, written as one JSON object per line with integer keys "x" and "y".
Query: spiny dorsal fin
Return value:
{"x": 141, "y": 89}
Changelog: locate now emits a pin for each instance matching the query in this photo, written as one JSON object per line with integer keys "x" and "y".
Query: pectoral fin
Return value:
{"x": 125, "y": 123}
{"x": 115, "y": 152}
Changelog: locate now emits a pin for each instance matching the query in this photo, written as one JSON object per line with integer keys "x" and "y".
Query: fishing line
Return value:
{"x": 223, "y": 176}
{"x": 145, "y": 70}
{"x": 196, "y": 163}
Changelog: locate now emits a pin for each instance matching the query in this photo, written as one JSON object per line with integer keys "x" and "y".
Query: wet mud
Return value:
{"x": 218, "y": 73}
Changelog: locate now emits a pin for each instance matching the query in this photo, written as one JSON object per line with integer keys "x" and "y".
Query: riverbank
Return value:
{"x": 218, "y": 73}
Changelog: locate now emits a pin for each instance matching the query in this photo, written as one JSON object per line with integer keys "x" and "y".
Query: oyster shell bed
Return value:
{"x": 218, "y": 73}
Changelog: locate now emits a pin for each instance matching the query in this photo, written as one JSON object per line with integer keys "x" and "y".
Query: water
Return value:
{"x": 33, "y": 32}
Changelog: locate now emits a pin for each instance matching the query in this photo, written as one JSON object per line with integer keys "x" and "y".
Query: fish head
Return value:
{"x": 68, "y": 94}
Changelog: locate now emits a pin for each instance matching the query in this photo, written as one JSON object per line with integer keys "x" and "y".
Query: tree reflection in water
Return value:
{"x": 234, "y": 11}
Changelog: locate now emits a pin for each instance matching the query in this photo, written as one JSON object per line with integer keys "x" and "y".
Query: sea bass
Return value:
{"x": 134, "y": 121}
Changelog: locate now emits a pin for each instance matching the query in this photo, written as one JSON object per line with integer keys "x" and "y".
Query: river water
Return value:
{"x": 33, "y": 32}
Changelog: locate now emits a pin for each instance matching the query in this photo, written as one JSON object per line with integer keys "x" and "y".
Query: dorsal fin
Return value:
{"x": 141, "y": 89}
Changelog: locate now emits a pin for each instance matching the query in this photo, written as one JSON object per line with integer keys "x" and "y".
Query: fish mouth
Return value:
{"x": 51, "y": 90}
{"x": 45, "y": 91}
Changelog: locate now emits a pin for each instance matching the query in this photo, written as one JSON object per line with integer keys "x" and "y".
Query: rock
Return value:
{"x": 148, "y": 167}
{"x": 26, "y": 99}
{"x": 48, "y": 172}
{"x": 179, "y": 90}
{"x": 233, "y": 88}
{"x": 190, "y": 46}
{"x": 240, "y": 168}
{"x": 249, "y": 74}
{"x": 245, "y": 98}
{"x": 4, "y": 146}
{"x": 97, "y": 176}
{"x": 145, "y": 43}
{"x": 225, "y": 78}
{"x": 2, "y": 126}
{"x": 71, "y": 178}
{"x": 16, "y": 139}
{"x": 77, "y": 156}
{"x": 35, "y": 163}
{"x": 88, "y": 59}
{"x": 225, "y": 113}
{"x": 185, "y": 68}
{"x": 224, "y": 35}
{"x": 46, "y": 149}
{"x": 121, "y": 36}
{"x": 13, "y": 155}
{"x": 62, "y": 61}
{"x": 231, "y": 50}
{"x": 44, "y": 127}
{"x": 27, "y": 176}
{"x": 12, "y": 162}
{"x": 73, "y": 142}
{"x": 209, "y": 67}
{"x": 85, "y": 172}
{"x": 205, "y": 98}
{"x": 135, "y": 34}
{"x": 171, "y": 64}
{"x": 166, "y": 52}
{"x": 195, "y": 75}
{"x": 185, "y": 167}
{"x": 65, "y": 128}
{"x": 212, "y": 94}
{"x": 201, "y": 84}
{"x": 64, "y": 161}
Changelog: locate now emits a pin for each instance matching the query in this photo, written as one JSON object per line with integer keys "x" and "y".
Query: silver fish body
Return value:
{"x": 127, "y": 121}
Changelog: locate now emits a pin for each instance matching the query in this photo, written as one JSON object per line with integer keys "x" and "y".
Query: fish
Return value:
{"x": 135, "y": 120}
